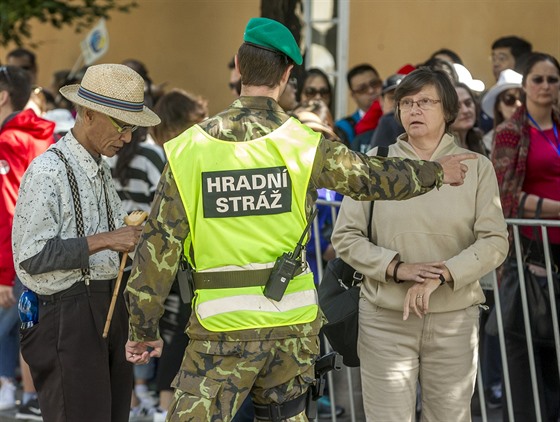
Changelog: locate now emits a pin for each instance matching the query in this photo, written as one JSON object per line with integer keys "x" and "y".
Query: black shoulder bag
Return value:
{"x": 339, "y": 293}
{"x": 537, "y": 292}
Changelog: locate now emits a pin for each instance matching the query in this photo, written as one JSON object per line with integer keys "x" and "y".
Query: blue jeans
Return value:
{"x": 9, "y": 336}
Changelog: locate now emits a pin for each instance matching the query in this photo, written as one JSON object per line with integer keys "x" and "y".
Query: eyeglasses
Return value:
{"x": 422, "y": 103}
{"x": 509, "y": 100}
{"x": 540, "y": 79}
{"x": 124, "y": 128}
{"x": 374, "y": 84}
{"x": 312, "y": 92}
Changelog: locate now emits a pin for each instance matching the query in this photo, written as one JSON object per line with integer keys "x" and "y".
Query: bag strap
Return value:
{"x": 77, "y": 204}
{"x": 382, "y": 151}
{"x": 536, "y": 235}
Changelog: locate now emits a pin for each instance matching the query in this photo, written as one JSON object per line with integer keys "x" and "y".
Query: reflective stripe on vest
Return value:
{"x": 245, "y": 204}
{"x": 248, "y": 308}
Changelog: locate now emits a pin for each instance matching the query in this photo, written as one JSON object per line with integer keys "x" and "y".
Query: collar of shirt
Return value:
{"x": 90, "y": 166}
{"x": 259, "y": 103}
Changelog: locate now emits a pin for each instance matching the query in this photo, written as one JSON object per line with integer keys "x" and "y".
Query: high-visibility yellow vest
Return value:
{"x": 245, "y": 205}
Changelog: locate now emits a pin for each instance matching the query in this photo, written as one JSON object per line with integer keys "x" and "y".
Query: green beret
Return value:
{"x": 272, "y": 35}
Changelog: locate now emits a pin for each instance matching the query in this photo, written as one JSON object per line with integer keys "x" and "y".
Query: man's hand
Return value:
{"x": 120, "y": 240}
{"x": 7, "y": 298}
{"x": 454, "y": 171}
{"x": 140, "y": 353}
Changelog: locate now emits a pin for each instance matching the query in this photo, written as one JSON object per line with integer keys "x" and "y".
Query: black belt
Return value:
{"x": 228, "y": 279}
{"x": 279, "y": 412}
{"x": 80, "y": 288}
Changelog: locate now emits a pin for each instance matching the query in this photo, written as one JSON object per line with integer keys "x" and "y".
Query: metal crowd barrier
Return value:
{"x": 514, "y": 223}
{"x": 543, "y": 224}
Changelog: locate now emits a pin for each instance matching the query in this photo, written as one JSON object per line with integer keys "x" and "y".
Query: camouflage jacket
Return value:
{"x": 335, "y": 167}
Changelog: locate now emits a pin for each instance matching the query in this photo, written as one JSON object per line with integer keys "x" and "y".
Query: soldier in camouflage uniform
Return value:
{"x": 274, "y": 364}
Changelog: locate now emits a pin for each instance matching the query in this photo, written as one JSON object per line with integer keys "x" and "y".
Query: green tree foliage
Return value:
{"x": 16, "y": 15}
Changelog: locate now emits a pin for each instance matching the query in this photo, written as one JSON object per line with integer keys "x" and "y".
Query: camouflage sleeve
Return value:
{"x": 156, "y": 261}
{"x": 372, "y": 178}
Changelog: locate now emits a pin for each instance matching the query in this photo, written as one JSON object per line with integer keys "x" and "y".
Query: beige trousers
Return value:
{"x": 440, "y": 351}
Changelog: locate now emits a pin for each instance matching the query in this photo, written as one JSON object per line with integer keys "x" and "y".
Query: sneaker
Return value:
{"x": 139, "y": 411}
{"x": 30, "y": 411}
{"x": 7, "y": 394}
{"x": 494, "y": 396}
{"x": 160, "y": 415}
{"x": 324, "y": 408}
{"x": 147, "y": 399}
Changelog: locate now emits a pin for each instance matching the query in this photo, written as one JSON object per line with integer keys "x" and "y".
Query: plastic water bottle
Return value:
{"x": 28, "y": 307}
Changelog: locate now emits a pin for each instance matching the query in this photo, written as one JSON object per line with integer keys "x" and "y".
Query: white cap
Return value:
{"x": 465, "y": 77}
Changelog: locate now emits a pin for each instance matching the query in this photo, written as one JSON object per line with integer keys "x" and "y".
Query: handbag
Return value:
{"x": 339, "y": 294}
{"x": 538, "y": 298}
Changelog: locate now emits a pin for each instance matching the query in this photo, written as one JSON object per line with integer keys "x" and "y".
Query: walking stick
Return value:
{"x": 135, "y": 218}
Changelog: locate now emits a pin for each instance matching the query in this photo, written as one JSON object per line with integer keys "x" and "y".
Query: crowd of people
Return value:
{"x": 227, "y": 195}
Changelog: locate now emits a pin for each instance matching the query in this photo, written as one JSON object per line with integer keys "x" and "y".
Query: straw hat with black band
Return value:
{"x": 115, "y": 90}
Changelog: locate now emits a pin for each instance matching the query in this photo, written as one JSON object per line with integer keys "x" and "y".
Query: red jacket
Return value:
{"x": 22, "y": 139}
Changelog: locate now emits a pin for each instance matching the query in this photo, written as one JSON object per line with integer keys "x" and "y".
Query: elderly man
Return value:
{"x": 237, "y": 194}
{"x": 67, "y": 235}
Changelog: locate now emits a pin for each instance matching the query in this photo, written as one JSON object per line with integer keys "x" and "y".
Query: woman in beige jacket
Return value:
{"x": 423, "y": 261}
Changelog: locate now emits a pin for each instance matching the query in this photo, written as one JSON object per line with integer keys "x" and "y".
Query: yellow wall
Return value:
{"x": 187, "y": 43}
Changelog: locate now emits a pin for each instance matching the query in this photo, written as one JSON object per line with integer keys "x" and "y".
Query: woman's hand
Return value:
{"x": 420, "y": 272}
{"x": 417, "y": 298}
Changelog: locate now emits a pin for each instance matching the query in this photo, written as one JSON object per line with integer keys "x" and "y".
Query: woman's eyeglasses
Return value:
{"x": 540, "y": 79}
{"x": 509, "y": 100}
{"x": 312, "y": 92}
{"x": 422, "y": 103}
{"x": 374, "y": 84}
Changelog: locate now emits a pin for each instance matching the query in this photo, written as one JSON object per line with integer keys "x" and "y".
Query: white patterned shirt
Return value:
{"x": 45, "y": 211}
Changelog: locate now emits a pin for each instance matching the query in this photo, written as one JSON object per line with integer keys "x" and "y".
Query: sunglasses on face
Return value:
{"x": 374, "y": 84}
{"x": 122, "y": 128}
{"x": 312, "y": 92}
{"x": 537, "y": 80}
{"x": 509, "y": 100}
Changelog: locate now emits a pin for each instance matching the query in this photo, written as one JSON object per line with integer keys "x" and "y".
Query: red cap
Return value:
{"x": 406, "y": 69}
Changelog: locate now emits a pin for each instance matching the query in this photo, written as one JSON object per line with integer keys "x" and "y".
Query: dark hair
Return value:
{"x": 122, "y": 171}
{"x": 498, "y": 116}
{"x": 17, "y": 82}
{"x": 260, "y": 67}
{"x": 440, "y": 64}
{"x": 518, "y": 46}
{"x": 533, "y": 59}
{"x": 316, "y": 72}
{"x": 22, "y": 52}
{"x": 178, "y": 110}
{"x": 447, "y": 52}
{"x": 359, "y": 69}
{"x": 425, "y": 76}
{"x": 473, "y": 139}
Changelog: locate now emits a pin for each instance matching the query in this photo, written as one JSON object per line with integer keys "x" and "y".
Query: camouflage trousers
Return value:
{"x": 216, "y": 377}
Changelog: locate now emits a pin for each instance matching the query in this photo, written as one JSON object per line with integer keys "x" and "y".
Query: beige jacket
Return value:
{"x": 463, "y": 226}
